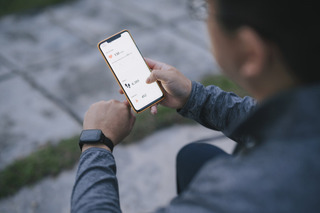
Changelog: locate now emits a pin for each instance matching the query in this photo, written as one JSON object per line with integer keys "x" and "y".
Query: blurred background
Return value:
{"x": 51, "y": 72}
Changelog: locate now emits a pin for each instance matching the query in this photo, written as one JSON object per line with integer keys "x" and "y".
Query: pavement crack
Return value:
{"x": 46, "y": 93}
{"x": 50, "y": 96}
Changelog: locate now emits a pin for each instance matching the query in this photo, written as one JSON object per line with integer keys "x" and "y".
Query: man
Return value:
{"x": 276, "y": 167}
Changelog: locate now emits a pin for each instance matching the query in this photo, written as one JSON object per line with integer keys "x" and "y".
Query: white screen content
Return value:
{"x": 131, "y": 70}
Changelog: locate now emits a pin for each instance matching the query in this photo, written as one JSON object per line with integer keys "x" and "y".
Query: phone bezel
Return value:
{"x": 112, "y": 38}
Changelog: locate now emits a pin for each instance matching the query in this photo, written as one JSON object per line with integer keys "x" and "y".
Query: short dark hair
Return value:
{"x": 291, "y": 25}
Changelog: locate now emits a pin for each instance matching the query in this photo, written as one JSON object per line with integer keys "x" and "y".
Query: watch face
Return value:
{"x": 93, "y": 135}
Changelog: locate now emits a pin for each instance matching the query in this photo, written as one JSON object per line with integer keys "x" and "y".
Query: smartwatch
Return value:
{"x": 94, "y": 136}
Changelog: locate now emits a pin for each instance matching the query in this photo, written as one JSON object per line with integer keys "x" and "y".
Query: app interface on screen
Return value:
{"x": 131, "y": 70}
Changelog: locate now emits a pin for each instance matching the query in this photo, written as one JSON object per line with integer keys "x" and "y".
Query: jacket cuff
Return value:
{"x": 184, "y": 111}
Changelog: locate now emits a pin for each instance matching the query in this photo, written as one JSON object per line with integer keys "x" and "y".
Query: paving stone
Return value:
{"x": 79, "y": 79}
{"x": 153, "y": 14}
{"x": 28, "y": 120}
{"x": 95, "y": 20}
{"x": 174, "y": 49}
{"x": 166, "y": 11}
{"x": 195, "y": 32}
{"x": 32, "y": 39}
{"x": 50, "y": 195}
{"x": 91, "y": 20}
{"x": 4, "y": 70}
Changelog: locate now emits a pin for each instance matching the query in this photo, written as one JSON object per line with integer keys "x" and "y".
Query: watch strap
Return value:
{"x": 106, "y": 141}
{"x": 101, "y": 140}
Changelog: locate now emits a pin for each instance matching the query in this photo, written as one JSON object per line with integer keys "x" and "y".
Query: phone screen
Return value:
{"x": 131, "y": 71}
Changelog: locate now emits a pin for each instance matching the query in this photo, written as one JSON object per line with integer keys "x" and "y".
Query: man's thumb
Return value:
{"x": 153, "y": 77}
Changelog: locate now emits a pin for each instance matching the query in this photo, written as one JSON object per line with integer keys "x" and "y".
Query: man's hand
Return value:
{"x": 114, "y": 118}
{"x": 176, "y": 86}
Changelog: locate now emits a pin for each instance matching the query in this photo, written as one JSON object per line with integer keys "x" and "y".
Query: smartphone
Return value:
{"x": 130, "y": 70}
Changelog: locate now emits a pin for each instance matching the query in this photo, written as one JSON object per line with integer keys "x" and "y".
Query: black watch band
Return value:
{"x": 94, "y": 136}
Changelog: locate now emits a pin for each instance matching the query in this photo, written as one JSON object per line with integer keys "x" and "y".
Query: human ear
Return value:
{"x": 253, "y": 50}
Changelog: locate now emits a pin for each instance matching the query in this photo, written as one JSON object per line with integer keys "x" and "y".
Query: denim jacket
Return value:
{"x": 276, "y": 167}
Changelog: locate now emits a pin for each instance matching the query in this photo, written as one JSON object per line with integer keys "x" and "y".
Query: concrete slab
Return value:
{"x": 95, "y": 20}
{"x": 145, "y": 170}
{"x": 79, "y": 79}
{"x": 195, "y": 32}
{"x": 28, "y": 120}
{"x": 174, "y": 49}
{"x": 32, "y": 39}
{"x": 50, "y": 195}
{"x": 88, "y": 20}
{"x": 165, "y": 11}
{"x": 4, "y": 70}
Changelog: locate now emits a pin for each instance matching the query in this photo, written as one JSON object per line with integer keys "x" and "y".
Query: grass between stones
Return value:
{"x": 51, "y": 159}
{"x": 18, "y": 6}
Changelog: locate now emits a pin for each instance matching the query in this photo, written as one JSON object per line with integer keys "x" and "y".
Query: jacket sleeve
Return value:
{"x": 215, "y": 108}
{"x": 96, "y": 185}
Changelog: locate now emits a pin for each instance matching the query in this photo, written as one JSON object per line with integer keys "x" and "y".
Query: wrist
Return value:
{"x": 94, "y": 138}
{"x": 111, "y": 136}
{"x": 186, "y": 95}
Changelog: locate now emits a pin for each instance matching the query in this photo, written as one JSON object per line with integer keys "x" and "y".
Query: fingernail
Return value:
{"x": 148, "y": 80}
{"x": 153, "y": 111}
